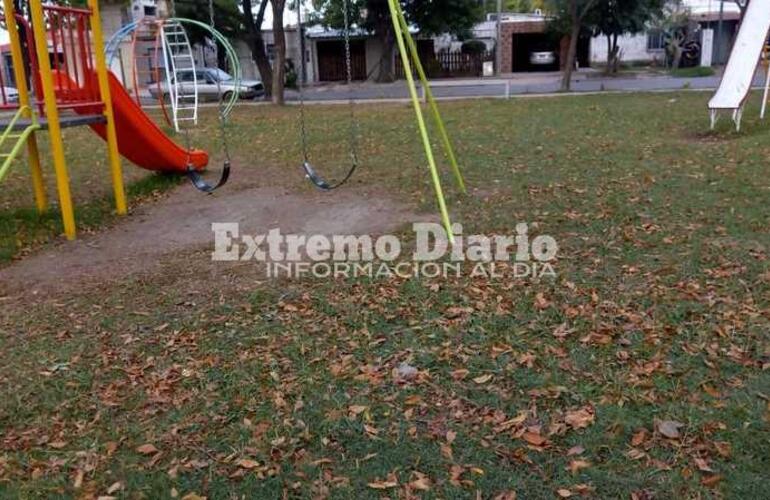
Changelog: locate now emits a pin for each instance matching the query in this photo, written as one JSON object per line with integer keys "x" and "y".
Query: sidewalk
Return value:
{"x": 506, "y": 86}
{"x": 583, "y": 81}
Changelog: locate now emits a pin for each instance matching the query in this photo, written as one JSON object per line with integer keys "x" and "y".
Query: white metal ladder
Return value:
{"x": 178, "y": 56}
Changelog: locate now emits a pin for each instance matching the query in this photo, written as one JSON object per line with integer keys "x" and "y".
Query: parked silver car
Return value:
{"x": 213, "y": 85}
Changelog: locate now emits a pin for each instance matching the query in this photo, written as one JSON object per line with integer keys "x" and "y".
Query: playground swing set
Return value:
{"x": 61, "y": 71}
{"x": 412, "y": 64}
{"x": 62, "y": 78}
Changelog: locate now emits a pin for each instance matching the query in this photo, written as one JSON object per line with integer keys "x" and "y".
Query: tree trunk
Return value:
{"x": 569, "y": 64}
{"x": 279, "y": 64}
{"x": 677, "y": 57}
{"x": 608, "y": 69}
{"x": 386, "y": 73}
{"x": 257, "y": 43}
{"x": 615, "y": 54}
{"x": 221, "y": 57}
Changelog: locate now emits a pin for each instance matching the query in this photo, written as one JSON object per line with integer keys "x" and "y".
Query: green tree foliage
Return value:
{"x": 517, "y": 6}
{"x": 227, "y": 17}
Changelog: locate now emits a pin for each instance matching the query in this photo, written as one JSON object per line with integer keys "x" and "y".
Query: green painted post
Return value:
{"x": 393, "y": 5}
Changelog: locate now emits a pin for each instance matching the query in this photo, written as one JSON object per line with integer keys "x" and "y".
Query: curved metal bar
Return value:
{"x": 111, "y": 50}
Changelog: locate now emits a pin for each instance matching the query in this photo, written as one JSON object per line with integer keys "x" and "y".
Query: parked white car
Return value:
{"x": 11, "y": 94}
{"x": 213, "y": 85}
{"x": 542, "y": 58}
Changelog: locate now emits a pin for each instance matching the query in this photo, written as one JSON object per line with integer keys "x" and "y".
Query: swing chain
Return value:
{"x": 351, "y": 100}
{"x": 301, "y": 87}
{"x": 310, "y": 172}
{"x": 194, "y": 176}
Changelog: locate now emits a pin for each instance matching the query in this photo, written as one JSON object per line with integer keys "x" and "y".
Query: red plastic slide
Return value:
{"x": 140, "y": 140}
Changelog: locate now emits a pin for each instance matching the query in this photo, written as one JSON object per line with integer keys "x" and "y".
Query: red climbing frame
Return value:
{"x": 70, "y": 53}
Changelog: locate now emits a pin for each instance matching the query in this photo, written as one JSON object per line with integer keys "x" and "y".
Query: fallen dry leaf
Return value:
{"x": 711, "y": 481}
{"x": 702, "y": 464}
{"x": 146, "y": 449}
{"x": 534, "y": 439}
{"x": 247, "y": 463}
{"x": 78, "y": 482}
{"x": 669, "y": 428}
{"x": 422, "y": 482}
{"x": 383, "y": 485}
{"x": 193, "y": 496}
{"x": 578, "y": 419}
{"x": 575, "y": 450}
{"x": 483, "y": 379}
{"x": 576, "y": 466}
{"x": 639, "y": 437}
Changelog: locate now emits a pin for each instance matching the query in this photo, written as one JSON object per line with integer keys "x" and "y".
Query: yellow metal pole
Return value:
{"x": 104, "y": 91}
{"x": 420, "y": 120}
{"x": 38, "y": 185}
{"x": 431, "y": 101}
{"x": 52, "y": 115}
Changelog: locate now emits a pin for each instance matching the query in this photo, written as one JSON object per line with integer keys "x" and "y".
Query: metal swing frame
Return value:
{"x": 410, "y": 59}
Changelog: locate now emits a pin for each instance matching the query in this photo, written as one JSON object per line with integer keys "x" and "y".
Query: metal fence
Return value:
{"x": 449, "y": 64}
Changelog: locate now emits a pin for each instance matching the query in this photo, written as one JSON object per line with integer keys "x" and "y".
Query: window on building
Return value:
{"x": 656, "y": 40}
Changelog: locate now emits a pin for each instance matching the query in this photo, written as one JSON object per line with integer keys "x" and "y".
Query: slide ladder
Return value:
{"x": 16, "y": 140}
{"x": 181, "y": 78}
{"x": 745, "y": 56}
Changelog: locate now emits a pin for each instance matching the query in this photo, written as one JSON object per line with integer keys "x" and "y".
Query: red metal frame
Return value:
{"x": 72, "y": 56}
{"x": 72, "y": 61}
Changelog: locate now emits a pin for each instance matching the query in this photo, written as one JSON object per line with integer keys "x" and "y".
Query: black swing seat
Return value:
{"x": 201, "y": 185}
{"x": 319, "y": 181}
{"x": 316, "y": 179}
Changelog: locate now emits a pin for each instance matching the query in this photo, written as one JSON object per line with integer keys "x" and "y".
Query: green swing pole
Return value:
{"x": 392, "y": 5}
{"x": 431, "y": 101}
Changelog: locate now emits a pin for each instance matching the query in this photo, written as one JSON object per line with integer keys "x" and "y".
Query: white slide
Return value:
{"x": 739, "y": 72}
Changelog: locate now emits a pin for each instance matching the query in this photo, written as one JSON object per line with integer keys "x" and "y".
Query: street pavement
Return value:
{"x": 515, "y": 85}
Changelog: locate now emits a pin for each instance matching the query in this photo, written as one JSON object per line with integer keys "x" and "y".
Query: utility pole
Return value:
{"x": 718, "y": 43}
{"x": 302, "y": 49}
{"x": 498, "y": 41}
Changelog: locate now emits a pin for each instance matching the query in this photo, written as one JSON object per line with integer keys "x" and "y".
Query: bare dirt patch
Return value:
{"x": 179, "y": 227}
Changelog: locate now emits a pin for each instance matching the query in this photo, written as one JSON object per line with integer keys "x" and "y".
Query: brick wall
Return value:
{"x": 507, "y": 30}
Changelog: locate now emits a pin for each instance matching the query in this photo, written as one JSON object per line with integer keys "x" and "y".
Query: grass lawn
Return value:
{"x": 694, "y": 72}
{"x": 640, "y": 371}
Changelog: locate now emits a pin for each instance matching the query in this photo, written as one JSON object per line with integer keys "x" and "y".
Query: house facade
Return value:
{"x": 720, "y": 17}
